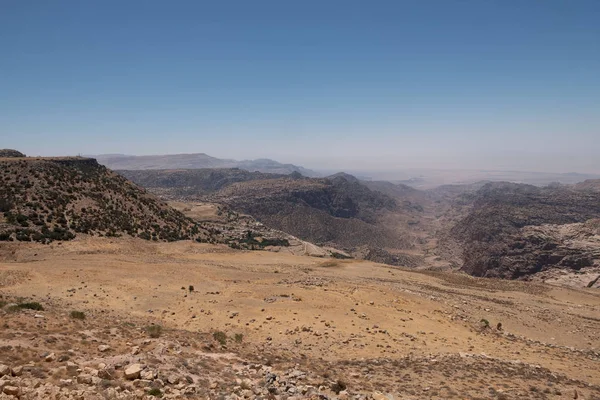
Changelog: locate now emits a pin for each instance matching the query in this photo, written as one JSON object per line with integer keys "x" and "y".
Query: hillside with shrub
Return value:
{"x": 46, "y": 199}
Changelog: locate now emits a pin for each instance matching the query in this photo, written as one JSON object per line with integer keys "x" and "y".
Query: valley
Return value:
{"x": 224, "y": 283}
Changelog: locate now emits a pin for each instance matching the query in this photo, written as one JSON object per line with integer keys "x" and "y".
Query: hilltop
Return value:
{"x": 10, "y": 153}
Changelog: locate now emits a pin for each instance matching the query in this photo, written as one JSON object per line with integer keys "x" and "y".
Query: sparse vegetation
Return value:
{"x": 31, "y": 306}
{"x": 155, "y": 392}
{"x": 338, "y": 386}
{"x": 329, "y": 264}
{"x": 239, "y": 337}
{"x": 78, "y": 315}
{"x": 154, "y": 331}
{"x": 220, "y": 337}
{"x": 484, "y": 323}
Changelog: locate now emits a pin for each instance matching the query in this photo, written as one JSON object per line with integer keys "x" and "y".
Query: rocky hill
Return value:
{"x": 339, "y": 211}
{"x": 516, "y": 230}
{"x": 45, "y": 199}
{"x": 10, "y": 153}
{"x": 333, "y": 212}
{"x": 196, "y": 161}
{"x": 589, "y": 185}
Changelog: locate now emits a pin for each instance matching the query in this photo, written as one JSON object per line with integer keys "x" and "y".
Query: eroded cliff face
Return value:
{"x": 514, "y": 231}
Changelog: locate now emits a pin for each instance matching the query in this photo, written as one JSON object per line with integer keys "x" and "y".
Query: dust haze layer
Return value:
{"x": 401, "y": 172}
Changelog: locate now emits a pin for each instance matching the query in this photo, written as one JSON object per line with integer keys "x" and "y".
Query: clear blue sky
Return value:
{"x": 511, "y": 84}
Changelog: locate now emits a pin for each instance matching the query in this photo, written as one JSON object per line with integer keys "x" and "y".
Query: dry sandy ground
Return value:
{"x": 379, "y": 328}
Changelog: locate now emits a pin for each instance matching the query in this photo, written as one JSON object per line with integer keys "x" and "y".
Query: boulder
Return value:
{"x": 72, "y": 367}
{"x": 85, "y": 379}
{"x": 4, "y": 370}
{"x": 103, "y": 347}
{"x": 11, "y": 390}
{"x": 133, "y": 371}
{"x": 107, "y": 374}
{"x": 380, "y": 396}
{"x": 148, "y": 375}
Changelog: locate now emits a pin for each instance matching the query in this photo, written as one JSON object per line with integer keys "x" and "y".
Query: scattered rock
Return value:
{"x": 106, "y": 374}
{"x": 148, "y": 375}
{"x": 84, "y": 379}
{"x": 103, "y": 347}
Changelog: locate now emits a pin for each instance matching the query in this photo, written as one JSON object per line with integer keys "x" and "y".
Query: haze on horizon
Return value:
{"x": 383, "y": 85}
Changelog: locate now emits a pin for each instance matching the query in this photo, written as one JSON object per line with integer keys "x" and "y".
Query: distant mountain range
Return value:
{"x": 195, "y": 161}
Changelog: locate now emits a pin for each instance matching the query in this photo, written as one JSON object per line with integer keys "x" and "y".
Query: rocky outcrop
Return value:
{"x": 514, "y": 231}
{"x": 535, "y": 249}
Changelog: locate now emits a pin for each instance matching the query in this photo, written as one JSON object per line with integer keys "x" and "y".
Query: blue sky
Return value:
{"x": 379, "y": 84}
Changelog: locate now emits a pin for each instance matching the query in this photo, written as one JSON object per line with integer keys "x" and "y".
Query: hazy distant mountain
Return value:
{"x": 427, "y": 179}
{"x": 196, "y": 160}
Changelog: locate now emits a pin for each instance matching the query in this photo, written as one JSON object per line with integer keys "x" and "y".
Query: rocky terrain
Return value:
{"x": 592, "y": 185}
{"x": 124, "y": 318}
{"x": 504, "y": 230}
{"x": 241, "y": 231}
{"x": 485, "y": 228}
{"x": 338, "y": 211}
{"x": 515, "y": 231}
{"x": 101, "y": 299}
{"x": 196, "y": 161}
{"x": 49, "y": 199}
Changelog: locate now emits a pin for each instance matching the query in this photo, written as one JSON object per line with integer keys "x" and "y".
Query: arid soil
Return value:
{"x": 274, "y": 325}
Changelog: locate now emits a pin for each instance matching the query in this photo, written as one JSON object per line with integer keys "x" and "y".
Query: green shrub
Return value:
{"x": 31, "y": 306}
{"x": 220, "y": 337}
{"x": 154, "y": 331}
{"x": 155, "y": 392}
{"x": 484, "y": 323}
{"x": 77, "y": 315}
{"x": 239, "y": 337}
{"x": 338, "y": 386}
{"x": 13, "y": 309}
